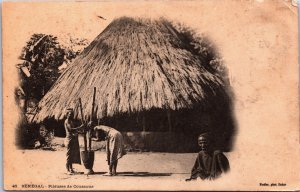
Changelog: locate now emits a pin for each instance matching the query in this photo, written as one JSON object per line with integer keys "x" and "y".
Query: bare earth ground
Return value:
{"x": 134, "y": 166}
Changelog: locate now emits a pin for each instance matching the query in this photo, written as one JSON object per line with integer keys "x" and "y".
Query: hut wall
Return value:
{"x": 152, "y": 141}
{"x": 186, "y": 126}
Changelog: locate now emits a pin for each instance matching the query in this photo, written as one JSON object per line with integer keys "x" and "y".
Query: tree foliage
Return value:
{"x": 202, "y": 47}
{"x": 42, "y": 56}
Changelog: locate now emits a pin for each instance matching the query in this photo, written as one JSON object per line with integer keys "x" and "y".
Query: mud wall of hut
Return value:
{"x": 169, "y": 130}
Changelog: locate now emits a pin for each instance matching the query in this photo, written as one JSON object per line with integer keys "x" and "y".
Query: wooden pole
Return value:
{"x": 144, "y": 121}
{"x": 92, "y": 118}
{"x": 169, "y": 120}
{"x": 82, "y": 121}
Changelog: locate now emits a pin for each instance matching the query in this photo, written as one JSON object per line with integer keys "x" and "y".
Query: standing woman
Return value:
{"x": 114, "y": 146}
{"x": 71, "y": 141}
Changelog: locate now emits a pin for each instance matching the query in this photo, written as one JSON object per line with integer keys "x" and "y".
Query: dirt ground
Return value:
{"x": 146, "y": 165}
{"x": 133, "y": 169}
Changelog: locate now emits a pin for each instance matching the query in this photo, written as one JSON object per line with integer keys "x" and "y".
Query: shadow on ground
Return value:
{"x": 130, "y": 174}
{"x": 143, "y": 174}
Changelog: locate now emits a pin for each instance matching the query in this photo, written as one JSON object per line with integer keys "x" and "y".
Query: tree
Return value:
{"x": 203, "y": 48}
{"x": 40, "y": 61}
{"x": 39, "y": 67}
{"x": 72, "y": 46}
{"x": 41, "y": 56}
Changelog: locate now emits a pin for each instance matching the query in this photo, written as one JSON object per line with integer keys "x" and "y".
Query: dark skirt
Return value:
{"x": 73, "y": 151}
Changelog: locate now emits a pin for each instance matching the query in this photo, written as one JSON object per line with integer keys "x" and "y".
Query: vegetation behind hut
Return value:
{"x": 41, "y": 62}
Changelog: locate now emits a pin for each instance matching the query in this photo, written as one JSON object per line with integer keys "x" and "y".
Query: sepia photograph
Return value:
{"x": 140, "y": 95}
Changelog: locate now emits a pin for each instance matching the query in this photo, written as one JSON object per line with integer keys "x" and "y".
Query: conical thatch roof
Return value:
{"x": 135, "y": 65}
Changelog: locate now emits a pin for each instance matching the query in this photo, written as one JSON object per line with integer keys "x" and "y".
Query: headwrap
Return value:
{"x": 205, "y": 135}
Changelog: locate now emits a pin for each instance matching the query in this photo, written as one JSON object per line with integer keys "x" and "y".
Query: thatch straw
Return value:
{"x": 136, "y": 65}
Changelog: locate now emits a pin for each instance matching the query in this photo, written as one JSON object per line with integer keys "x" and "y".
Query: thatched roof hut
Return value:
{"x": 136, "y": 65}
{"x": 149, "y": 76}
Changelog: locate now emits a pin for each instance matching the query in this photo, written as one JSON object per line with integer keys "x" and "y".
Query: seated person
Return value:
{"x": 209, "y": 164}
